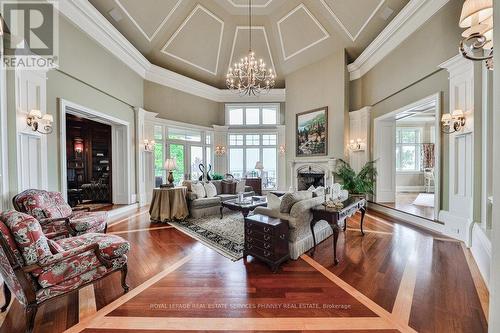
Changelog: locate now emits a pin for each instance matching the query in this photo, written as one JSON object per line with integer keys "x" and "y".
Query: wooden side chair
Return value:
{"x": 37, "y": 269}
{"x": 56, "y": 216}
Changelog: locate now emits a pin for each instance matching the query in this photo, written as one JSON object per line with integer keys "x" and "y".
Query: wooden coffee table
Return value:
{"x": 335, "y": 217}
{"x": 244, "y": 207}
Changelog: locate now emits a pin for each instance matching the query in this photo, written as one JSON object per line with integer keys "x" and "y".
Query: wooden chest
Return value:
{"x": 266, "y": 238}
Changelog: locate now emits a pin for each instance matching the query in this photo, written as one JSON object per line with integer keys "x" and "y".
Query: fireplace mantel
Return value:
{"x": 325, "y": 164}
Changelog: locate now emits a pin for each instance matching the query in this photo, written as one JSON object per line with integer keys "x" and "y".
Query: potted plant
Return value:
{"x": 360, "y": 184}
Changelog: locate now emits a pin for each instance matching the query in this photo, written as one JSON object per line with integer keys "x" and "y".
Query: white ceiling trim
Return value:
{"x": 409, "y": 19}
{"x": 238, "y": 28}
{"x": 339, "y": 21}
{"x": 303, "y": 7}
{"x": 264, "y": 5}
{"x": 149, "y": 38}
{"x": 173, "y": 80}
{"x": 198, "y": 7}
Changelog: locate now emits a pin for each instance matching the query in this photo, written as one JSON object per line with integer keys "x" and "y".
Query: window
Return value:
{"x": 188, "y": 146}
{"x": 408, "y": 149}
{"x": 245, "y": 150}
{"x": 252, "y": 115}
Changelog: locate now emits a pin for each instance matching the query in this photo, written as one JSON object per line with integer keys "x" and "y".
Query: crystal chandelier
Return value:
{"x": 477, "y": 17}
{"x": 249, "y": 76}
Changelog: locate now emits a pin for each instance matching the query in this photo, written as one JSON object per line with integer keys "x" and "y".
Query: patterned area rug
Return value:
{"x": 225, "y": 236}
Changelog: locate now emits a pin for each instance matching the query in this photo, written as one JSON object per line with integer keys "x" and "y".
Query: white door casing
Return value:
{"x": 384, "y": 154}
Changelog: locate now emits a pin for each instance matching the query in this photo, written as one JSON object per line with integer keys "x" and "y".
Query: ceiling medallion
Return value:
{"x": 249, "y": 76}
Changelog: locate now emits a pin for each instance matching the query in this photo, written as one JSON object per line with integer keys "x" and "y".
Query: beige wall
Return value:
{"x": 176, "y": 105}
{"x": 91, "y": 77}
{"x": 321, "y": 84}
{"x": 411, "y": 72}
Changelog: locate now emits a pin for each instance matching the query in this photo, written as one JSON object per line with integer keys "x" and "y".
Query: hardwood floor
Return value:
{"x": 404, "y": 202}
{"x": 394, "y": 279}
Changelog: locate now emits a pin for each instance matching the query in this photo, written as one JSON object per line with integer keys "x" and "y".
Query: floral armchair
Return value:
{"x": 37, "y": 269}
{"x": 56, "y": 216}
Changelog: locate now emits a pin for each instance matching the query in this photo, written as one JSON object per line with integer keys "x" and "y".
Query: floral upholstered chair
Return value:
{"x": 56, "y": 216}
{"x": 36, "y": 269}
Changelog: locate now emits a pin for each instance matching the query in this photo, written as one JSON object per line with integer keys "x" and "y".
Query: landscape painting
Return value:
{"x": 312, "y": 133}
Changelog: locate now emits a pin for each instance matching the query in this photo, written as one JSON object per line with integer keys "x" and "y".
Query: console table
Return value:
{"x": 335, "y": 217}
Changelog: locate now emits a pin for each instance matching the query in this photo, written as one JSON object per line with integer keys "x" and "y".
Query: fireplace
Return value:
{"x": 308, "y": 176}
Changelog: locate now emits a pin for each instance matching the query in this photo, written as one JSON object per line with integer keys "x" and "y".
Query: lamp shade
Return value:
{"x": 36, "y": 113}
{"x": 446, "y": 118}
{"x": 475, "y": 11}
{"x": 259, "y": 165}
{"x": 458, "y": 114}
{"x": 170, "y": 164}
{"x": 48, "y": 118}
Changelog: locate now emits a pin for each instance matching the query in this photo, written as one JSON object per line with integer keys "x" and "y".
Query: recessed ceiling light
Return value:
{"x": 386, "y": 13}
{"x": 115, "y": 14}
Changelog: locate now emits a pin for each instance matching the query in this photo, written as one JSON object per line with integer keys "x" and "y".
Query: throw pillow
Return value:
{"x": 290, "y": 199}
{"x": 311, "y": 188}
{"x": 198, "y": 189}
{"x": 319, "y": 192}
{"x": 240, "y": 186}
{"x": 228, "y": 187}
{"x": 273, "y": 201}
{"x": 210, "y": 190}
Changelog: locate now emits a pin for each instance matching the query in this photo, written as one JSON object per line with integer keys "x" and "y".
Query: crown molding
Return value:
{"x": 86, "y": 17}
{"x": 176, "y": 81}
{"x": 409, "y": 19}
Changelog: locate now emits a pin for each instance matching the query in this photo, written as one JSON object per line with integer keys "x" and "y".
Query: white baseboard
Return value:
{"x": 114, "y": 213}
{"x": 411, "y": 219}
{"x": 417, "y": 189}
{"x": 481, "y": 251}
{"x": 457, "y": 227}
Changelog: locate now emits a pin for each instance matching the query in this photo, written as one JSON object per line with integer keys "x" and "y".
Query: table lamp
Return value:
{"x": 170, "y": 166}
{"x": 259, "y": 166}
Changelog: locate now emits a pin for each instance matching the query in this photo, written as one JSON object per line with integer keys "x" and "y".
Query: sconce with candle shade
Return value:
{"x": 39, "y": 123}
{"x": 170, "y": 166}
{"x": 282, "y": 149}
{"x": 149, "y": 145}
{"x": 220, "y": 150}
{"x": 78, "y": 146}
{"x": 357, "y": 145}
{"x": 454, "y": 122}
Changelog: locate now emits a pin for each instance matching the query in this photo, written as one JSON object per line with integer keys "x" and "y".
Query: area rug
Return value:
{"x": 424, "y": 199}
{"x": 225, "y": 236}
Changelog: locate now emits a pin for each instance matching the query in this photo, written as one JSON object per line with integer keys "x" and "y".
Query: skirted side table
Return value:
{"x": 169, "y": 204}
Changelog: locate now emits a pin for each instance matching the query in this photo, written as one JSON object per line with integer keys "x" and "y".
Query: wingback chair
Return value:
{"x": 37, "y": 269}
{"x": 56, "y": 216}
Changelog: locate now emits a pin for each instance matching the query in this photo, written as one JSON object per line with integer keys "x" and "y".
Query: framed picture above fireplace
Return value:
{"x": 312, "y": 133}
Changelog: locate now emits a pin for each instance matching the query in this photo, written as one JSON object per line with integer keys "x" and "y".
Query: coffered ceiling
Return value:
{"x": 200, "y": 38}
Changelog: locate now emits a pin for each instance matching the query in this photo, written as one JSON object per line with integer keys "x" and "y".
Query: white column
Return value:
{"x": 281, "y": 158}
{"x": 4, "y": 167}
{"x": 458, "y": 220}
{"x": 360, "y": 129}
{"x": 144, "y": 160}
{"x": 221, "y": 164}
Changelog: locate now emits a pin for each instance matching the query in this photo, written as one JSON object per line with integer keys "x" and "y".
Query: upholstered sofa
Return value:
{"x": 299, "y": 220}
{"x": 37, "y": 269}
{"x": 201, "y": 207}
{"x": 55, "y": 215}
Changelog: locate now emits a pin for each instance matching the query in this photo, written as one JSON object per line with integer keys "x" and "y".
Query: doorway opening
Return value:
{"x": 89, "y": 162}
{"x": 407, "y": 148}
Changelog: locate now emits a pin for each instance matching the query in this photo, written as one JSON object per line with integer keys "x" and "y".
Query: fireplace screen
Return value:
{"x": 308, "y": 177}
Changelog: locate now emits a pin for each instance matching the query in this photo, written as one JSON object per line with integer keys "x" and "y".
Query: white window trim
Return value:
{"x": 245, "y": 106}
{"x": 260, "y": 146}
{"x": 417, "y": 145}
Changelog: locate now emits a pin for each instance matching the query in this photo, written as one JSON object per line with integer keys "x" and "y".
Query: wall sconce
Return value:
{"x": 451, "y": 123}
{"x": 149, "y": 145}
{"x": 357, "y": 145}
{"x": 282, "y": 149}
{"x": 35, "y": 120}
{"x": 220, "y": 150}
{"x": 78, "y": 145}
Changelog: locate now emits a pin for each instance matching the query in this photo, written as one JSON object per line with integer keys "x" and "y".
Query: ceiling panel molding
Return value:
{"x": 138, "y": 26}
{"x": 313, "y": 18}
{"x": 172, "y": 38}
{"x": 410, "y": 19}
{"x": 339, "y": 21}
{"x": 263, "y": 29}
{"x": 254, "y": 5}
